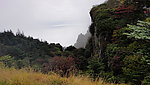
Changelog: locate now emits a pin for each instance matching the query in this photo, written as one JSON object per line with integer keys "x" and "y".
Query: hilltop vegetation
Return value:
{"x": 120, "y": 41}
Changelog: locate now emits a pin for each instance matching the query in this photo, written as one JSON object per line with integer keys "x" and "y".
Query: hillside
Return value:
{"x": 20, "y": 51}
{"x": 27, "y": 51}
{"x": 20, "y": 46}
{"x": 120, "y": 41}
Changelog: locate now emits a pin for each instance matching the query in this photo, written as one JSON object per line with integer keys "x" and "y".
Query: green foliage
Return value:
{"x": 21, "y": 46}
{"x": 111, "y": 50}
{"x": 127, "y": 55}
{"x": 8, "y": 61}
{"x": 135, "y": 68}
{"x": 126, "y": 48}
{"x": 4, "y": 83}
{"x": 146, "y": 80}
{"x": 95, "y": 67}
{"x": 147, "y": 20}
{"x": 112, "y": 3}
{"x": 103, "y": 19}
{"x": 139, "y": 31}
{"x": 146, "y": 59}
{"x": 25, "y": 51}
{"x": 138, "y": 3}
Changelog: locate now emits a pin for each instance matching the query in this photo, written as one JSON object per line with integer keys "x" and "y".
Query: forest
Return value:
{"x": 118, "y": 50}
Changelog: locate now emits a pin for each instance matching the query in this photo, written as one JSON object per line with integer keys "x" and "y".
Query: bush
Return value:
{"x": 61, "y": 65}
{"x": 147, "y": 80}
{"x": 96, "y": 67}
{"x": 134, "y": 69}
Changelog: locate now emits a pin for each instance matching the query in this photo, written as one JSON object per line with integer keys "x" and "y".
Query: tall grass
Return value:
{"x": 10, "y": 76}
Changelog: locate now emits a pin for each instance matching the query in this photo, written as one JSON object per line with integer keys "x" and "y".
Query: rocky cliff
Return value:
{"x": 82, "y": 40}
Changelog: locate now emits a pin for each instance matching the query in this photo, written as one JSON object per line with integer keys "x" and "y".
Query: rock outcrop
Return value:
{"x": 82, "y": 40}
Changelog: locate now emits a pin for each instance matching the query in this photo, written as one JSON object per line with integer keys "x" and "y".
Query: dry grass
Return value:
{"x": 10, "y": 76}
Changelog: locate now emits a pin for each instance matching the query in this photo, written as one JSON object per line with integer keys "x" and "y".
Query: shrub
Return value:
{"x": 96, "y": 67}
{"x": 147, "y": 80}
{"x": 134, "y": 69}
{"x": 61, "y": 65}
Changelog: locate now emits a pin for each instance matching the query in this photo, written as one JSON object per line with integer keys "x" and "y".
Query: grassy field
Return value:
{"x": 10, "y": 76}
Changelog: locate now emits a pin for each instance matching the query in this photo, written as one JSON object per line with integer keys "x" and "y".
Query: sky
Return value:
{"x": 54, "y": 21}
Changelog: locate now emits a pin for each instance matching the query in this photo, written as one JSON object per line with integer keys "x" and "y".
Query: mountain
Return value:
{"x": 82, "y": 40}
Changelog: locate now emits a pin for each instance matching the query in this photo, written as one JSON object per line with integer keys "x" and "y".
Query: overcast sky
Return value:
{"x": 55, "y": 21}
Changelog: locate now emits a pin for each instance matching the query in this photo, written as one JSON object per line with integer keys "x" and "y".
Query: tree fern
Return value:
{"x": 139, "y": 31}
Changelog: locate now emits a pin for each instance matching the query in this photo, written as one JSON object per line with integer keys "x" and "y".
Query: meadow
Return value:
{"x": 11, "y": 76}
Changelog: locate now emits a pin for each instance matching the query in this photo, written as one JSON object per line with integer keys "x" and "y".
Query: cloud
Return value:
{"x": 51, "y": 20}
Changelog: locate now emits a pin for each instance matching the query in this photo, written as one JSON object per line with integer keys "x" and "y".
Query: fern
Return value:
{"x": 139, "y": 31}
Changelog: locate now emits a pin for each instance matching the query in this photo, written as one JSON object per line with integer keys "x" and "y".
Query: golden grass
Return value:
{"x": 10, "y": 76}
